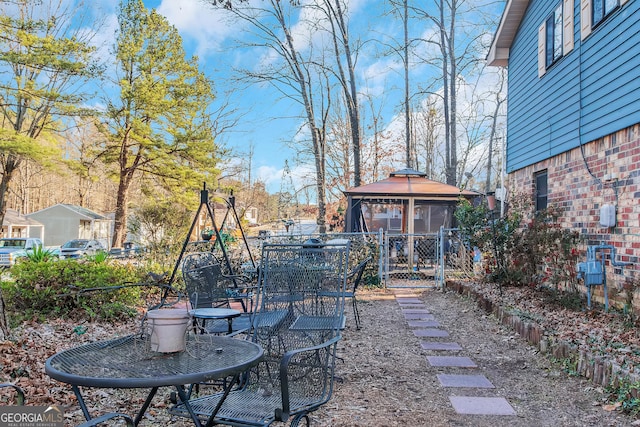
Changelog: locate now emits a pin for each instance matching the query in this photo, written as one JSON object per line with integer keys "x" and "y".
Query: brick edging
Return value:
{"x": 597, "y": 369}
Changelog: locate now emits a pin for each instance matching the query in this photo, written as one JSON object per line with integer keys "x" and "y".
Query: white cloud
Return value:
{"x": 270, "y": 175}
{"x": 378, "y": 74}
{"x": 194, "y": 19}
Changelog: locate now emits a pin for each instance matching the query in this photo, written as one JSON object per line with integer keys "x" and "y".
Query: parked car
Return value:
{"x": 77, "y": 248}
{"x": 130, "y": 250}
{"x": 12, "y": 248}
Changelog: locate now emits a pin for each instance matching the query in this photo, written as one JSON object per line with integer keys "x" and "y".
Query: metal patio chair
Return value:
{"x": 19, "y": 393}
{"x": 297, "y": 322}
{"x": 20, "y": 400}
{"x": 353, "y": 282}
{"x": 94, "y": 422}
{"x": 208, "y": 287}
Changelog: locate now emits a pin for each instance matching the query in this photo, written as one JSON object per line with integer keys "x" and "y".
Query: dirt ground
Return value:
{"x": 384, "y": 378}
{"x": 387, "y": 381}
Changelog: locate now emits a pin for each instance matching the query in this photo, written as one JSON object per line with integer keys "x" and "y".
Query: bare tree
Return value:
{"x": 426, "y": 124}
{"x": 494, "y": 118}
{"x": 452, "y": 19}
{"x": 299, "y": 78}
{"x": 336, "y": 12}
{"x": 378, "y": 147}
{"x": 339, "y": 154}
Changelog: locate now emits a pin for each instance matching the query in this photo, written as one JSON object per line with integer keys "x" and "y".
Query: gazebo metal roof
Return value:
{"x": 410, "y": 183}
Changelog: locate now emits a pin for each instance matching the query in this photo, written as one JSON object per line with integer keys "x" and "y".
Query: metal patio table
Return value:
{"x": 201, "y": 315}
{"x": 127, "y": 362}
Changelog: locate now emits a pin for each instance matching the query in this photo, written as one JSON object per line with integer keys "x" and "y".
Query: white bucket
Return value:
{"x": 168, "y": 329}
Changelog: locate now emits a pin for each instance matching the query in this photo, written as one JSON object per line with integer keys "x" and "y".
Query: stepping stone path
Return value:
{"x": 425, "y": 325}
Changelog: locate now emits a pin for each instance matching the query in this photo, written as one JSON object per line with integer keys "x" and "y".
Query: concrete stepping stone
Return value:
{"x": 419, "y": 316}
{"x": 406, "y": 306}
{"x": 451, "y": 361}
{"x": 471, "y": 381}
{"x": 415, "y": 311}
{"x": 481, "y": 405}
{"x": 437, "y": 345}
{"x": 431, "y": 332}
{"x": 409, "y": 300}
{"x": 423, "y": 323}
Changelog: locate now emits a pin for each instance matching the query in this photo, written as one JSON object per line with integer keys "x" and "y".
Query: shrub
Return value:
{"x": 547, "y": 252}
{"x": 625, "y": 395}
{"x": 41, "y": 254}
{"x": 521, "y": 251}
{"x": 64, "y": 289}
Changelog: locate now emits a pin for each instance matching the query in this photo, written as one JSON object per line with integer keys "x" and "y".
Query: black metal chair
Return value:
{"x": 106, "y": 417}
{"x": 353, "y": 281}
{"x": 297, "y": 322}
{"x": 20, "y": 400}
{"x": 208, "y": 287}
{"x": 20, "y": 397}
{"x": 426, "y": 248}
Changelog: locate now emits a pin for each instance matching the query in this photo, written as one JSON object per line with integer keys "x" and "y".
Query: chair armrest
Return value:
{"x": 241, "y": 277}
{"x": 20, "y": 399}
{"x": 99, "y": 420}
{"x": 282, "y": 414}
{"x": 360, "y": 267}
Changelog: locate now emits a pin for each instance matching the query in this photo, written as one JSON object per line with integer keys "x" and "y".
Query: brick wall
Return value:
{"x": 605, "y": 171}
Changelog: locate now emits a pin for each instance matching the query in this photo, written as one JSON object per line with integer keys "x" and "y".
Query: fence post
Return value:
{"x": 383, "y": 261}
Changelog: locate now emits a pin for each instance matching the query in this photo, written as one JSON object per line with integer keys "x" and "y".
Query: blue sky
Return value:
{"x": 268, "y": 122}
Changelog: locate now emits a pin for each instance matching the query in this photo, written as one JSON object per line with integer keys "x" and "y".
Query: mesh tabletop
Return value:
{"x": 215, "y": 313}
{"x": 127, "y": 362}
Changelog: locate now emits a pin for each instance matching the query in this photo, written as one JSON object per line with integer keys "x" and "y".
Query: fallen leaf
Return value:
{"x": 612, "y": 407}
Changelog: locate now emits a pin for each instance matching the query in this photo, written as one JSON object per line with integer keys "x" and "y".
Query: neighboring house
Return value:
{"x": 251, "y": 215}
{"x": 18, "y": 225}
{"x": 573, "y": 117}
{"x": 65, "y": 222}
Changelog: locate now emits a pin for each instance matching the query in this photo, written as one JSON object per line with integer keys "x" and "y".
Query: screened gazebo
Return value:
{"x": 405, "y": 203}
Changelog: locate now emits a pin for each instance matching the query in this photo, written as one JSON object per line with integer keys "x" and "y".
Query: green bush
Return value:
{"x": 523, "y": 247}
{"x": 65, "y": 289}
{"x": 625, "y": 395}
{"x": 41, "y": 254}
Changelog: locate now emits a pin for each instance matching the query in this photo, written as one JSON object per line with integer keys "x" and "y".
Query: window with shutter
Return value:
{"x": 542, "y": 66}
{"x": 567, "y": 31}
{"x": 550, "y": 39}
{"x": 602, "y": 9}
{"x": 594, "y": 12}
{"x": 585, "y": 18}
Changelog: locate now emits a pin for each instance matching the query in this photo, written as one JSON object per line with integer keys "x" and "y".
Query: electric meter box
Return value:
{"x": 608, "y": 216}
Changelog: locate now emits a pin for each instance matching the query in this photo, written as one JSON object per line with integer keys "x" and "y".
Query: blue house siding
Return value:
{"x": 611, "y": 88}
{"x": 556, "y": 113}
{"x": 579, "y": 122}
{"x": 539, "y": 119}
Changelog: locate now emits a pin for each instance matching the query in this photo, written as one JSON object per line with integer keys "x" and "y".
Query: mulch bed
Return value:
{"x": 383, "y": 376}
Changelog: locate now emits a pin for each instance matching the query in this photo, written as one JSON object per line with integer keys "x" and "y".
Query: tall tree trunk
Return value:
{"x": 350, "y": 90}
{"x": 317, "y": 134}
{"x": 11, "y": 164}
{"x": 122, "y": 210}
{"x": 452, "y": 175}
{"x": 407, "y": 109}
{"x": 492, "y": 136}
{"x": 445, "y": 95}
